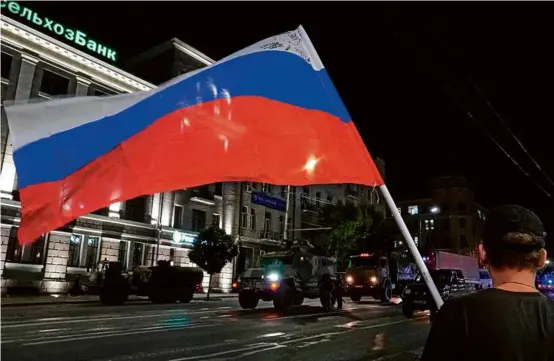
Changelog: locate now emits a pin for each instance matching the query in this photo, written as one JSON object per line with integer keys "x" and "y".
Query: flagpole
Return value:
{"x": 412, "y": 246}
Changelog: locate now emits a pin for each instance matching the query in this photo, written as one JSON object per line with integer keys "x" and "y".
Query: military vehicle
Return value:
{"x": 378, "y": 275}
{"x": 287, "y": 277}
{"x": 162, "y": 283}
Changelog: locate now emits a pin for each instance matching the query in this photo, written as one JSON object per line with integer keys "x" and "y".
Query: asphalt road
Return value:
{"x": 214, "y": 330}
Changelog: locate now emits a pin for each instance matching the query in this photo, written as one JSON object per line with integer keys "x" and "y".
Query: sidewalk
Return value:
{"x": 14, "y": 301}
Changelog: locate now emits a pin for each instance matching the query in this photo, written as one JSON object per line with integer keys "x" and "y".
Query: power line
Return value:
{"x": 469, "y": 78}
{"x": 511, "y": 132}
{"x": 484, "y": 130}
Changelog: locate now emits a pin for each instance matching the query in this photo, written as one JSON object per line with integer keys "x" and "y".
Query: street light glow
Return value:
{"x": 435, "y": 210}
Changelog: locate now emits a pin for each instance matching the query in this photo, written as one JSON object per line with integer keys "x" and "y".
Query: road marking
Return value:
{"x": 53, "y": 330}
{"x": 349, "y": 324}
{"x": 97, "y": 319}
{"x": 261, "y": 347}
{"x": 110, "y": 334}
{"x": 258, "y": 351}
{"x": 275, "y": 334}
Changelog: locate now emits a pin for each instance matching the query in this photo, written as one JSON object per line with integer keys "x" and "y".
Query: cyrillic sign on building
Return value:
{"x": 76, "y": 36}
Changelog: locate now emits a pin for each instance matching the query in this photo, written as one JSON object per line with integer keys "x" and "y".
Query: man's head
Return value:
{"x": 514, "y": 239}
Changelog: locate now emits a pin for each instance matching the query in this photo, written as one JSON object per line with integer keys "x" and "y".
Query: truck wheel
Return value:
{"x": 187, "y": 295}
{"x": 386, "y": 292}
{"x": 356, "y": 298}
{"x": 284, "y": 302}
{"x": 248, "y": 300}
{"x": 407, "y": 309}
{"x": 325, "y": 299}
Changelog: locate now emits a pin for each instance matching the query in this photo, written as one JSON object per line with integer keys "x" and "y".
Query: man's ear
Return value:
{"x": 542, "y": 258}
{"x": 482, "y": 254}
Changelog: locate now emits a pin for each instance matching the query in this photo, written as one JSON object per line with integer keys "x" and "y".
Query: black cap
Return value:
{"x": 513, "y": 219}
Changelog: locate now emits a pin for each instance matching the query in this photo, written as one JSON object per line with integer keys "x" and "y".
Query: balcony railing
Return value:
{"x": 202, "y": 195}
{"x": 262, "y": 234}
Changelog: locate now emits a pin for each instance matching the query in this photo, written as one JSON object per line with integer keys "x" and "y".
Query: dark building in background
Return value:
{"x": 166, "y": 61}
{"x": 314, "y": 198}
{"x": 448, "y": 219}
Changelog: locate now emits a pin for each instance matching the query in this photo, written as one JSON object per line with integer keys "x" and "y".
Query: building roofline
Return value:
{"x": 171, "y": 43}
{"x": 415, "y": 200}
{"x": 24, "y": 37}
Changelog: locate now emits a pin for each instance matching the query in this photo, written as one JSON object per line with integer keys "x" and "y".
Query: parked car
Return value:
{"x": 485, "y": 277}
{"x": 450, "y": 283}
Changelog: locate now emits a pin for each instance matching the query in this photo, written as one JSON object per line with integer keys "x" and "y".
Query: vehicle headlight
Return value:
{"x": 349, "y": 279}
{"x": 373, "y": 279}
{"x": 273, "y": 277}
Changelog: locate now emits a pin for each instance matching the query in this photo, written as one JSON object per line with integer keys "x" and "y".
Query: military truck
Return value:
{"x": 287, "y": 277}
{"x": 162, "y": 283}
{"x": 378, "y": 275}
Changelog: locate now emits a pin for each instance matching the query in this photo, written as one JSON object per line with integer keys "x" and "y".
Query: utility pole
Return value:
{"x": 159, "y": 228}
{"x": 287, "y": 206}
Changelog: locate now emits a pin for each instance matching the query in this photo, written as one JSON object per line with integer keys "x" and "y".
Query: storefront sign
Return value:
{"x": 183, "y": 238}
{"x": 75, "y": 36}
{"x": 268, "y": 201}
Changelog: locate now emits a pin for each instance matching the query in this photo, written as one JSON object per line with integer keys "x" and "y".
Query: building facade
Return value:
{"x": 449, "y": 219}
{"x": 37, "y": 67}
{"x": 314, "y": 198}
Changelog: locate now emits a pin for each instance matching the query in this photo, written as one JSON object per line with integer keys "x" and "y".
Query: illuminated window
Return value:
{"x": 198, "y": 220}
{"x": 75, "y": 248}
{"x": 244, "y": 217}
{"x": 252, "y": 219}
{"x": 413, "y": 210}
{"x": 216, "y": 220}
{"x": 177, "y": 216}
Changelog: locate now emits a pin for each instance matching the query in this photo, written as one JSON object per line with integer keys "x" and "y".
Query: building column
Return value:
{"x": 55, "y": 267}
{"x": 22, "y": 93}
{"x": 82, "y": 86}
{"x": 26, "y": 76}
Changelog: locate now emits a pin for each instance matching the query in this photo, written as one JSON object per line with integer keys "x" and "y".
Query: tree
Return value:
{"x": 211, "y": 250}
{"x": 354, "y": 228}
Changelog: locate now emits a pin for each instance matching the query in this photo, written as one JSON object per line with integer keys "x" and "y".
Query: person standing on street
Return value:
{"x": 512, "y": 320}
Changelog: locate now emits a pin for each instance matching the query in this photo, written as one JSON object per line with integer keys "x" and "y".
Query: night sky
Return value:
{"x": 410, "y": 75}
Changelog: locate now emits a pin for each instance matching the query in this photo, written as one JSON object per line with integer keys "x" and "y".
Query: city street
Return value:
{"x": 214, "y": 330}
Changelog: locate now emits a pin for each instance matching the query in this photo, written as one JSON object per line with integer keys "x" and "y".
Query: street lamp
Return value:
{"x": 435, "y": 210}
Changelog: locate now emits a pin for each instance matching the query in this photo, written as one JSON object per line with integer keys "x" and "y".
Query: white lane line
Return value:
{"x": 299, "y": 316}
{"x": 275, "y": 334}
{"x": 108, "y": 334}
{"x": 260, "y": 347}
{"x": 100, "y": 319}
{"x": 53, "y": 330}
{"x": 258, "y": 351}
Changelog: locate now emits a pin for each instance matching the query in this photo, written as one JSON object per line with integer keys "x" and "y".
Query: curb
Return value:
{"x": 199, "y": 297}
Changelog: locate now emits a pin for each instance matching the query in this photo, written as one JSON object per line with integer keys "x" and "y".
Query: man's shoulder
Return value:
{"x": 493, "y": 295}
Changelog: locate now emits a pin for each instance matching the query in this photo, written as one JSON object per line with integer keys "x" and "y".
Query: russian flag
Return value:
{"x": 268, "y": 113}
